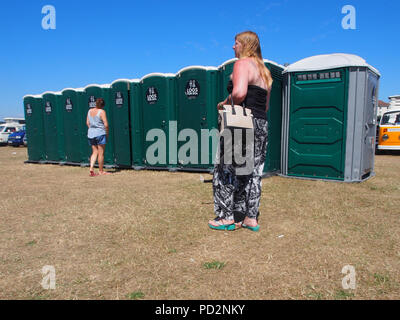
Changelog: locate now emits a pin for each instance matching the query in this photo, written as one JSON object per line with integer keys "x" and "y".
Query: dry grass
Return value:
{"x": 144, "y": 235}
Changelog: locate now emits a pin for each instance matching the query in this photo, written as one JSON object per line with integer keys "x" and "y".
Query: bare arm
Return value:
{"x": 104, "y": 118}
{"x": 240, "y": 79}
{"x": 87, "y": 121}
{"x": 268, "y": 98}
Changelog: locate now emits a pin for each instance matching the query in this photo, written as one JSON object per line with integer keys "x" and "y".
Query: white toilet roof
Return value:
{"x": 328, "y": 61}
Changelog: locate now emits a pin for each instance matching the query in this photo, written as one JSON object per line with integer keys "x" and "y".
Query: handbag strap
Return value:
{"x": 233, "y": 107}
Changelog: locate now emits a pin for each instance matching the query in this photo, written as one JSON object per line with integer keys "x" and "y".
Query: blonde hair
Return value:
{"x": 252, "y": 49}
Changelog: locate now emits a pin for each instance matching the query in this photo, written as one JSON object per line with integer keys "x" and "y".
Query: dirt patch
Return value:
{"x": 144, "y": 235}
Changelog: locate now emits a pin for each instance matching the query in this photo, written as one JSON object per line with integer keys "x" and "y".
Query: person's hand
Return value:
{"x": 220, "y": 106}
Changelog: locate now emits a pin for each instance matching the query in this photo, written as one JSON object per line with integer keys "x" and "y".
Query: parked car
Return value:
{"x": 16, "y": 139}
{"x": 7, "y": 128}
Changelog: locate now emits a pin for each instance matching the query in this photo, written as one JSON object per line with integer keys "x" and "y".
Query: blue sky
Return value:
{"x": 100, "y": 41}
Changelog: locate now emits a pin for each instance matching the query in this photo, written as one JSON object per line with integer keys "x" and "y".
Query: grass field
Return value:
{"x": 144, "y": 235}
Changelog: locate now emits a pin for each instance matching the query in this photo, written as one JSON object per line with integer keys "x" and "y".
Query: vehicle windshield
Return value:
{"x": 391, "y": 118}
{"x": 2, "y": 128}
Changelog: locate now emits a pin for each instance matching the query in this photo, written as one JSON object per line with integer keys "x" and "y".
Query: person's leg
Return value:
{"x": 240, "y": 199}
{"x": 223, "y": 189}
{"x": 254, "y": 184}
{"x": 100, "y": 160}
{"x": 253, "y": 189}
{"x": 245, "y": 148}
{"x": 93, "y": 158}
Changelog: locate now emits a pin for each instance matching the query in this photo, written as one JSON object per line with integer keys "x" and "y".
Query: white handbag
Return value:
{"x": 235, "y": 117}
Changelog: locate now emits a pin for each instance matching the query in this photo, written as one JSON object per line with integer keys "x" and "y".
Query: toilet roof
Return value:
{"x": 328, "y": 61}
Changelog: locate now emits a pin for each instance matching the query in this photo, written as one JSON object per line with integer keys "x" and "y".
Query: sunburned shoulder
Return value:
{"x": 244, "y": 62}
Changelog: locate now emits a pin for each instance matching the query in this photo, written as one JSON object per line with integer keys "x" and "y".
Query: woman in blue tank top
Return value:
{"x": 97, "y": 135}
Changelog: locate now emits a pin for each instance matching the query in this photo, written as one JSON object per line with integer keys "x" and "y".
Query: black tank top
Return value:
{"x": 256, "y": 100}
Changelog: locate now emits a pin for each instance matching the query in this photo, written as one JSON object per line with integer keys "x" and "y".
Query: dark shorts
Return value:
{"x": 97, "y": 140}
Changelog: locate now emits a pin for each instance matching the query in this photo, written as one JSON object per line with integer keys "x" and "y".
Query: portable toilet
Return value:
{"x": 71, "y": 109}
{"x": 84, "y": 148}
{"x": 93, "y": 92}
{"x": 274, "y": 114}
{"x": 53, "y": 127}
{"x": 136, "y": 123}
{"x": 225, "y": 71}
{"x": 120, "y": 108}
{"x": 34, "y": 128}
{"x": 329, "y": 120}
{"x": 158, "y": 114}
{"x": 197, "y": 117}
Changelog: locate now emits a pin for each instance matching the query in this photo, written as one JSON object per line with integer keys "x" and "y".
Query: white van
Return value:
{"x": 11, "y": 125}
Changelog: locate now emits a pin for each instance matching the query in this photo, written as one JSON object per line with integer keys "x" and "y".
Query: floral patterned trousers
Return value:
{"x": 237, "y": 196}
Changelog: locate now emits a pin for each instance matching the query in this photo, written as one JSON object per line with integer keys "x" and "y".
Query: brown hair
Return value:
{"x": 100, "y": 103}
{"x": 252, "y": 49}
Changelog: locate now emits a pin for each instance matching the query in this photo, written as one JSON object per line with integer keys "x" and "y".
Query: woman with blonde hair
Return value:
{"x": 237, "y": 197}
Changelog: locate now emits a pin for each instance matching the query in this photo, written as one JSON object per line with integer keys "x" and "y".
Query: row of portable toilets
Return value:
{"x": 321, "y": 119}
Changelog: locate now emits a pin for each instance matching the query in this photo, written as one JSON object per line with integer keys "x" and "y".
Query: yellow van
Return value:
{"x": 389, "y": 130}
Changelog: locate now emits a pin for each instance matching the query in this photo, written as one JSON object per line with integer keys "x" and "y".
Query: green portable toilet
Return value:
{"x": 71, "y": 109}
{"x": 136, "y": 122}
{"x": 84, "y": 149}
{"x": 329, "y": 118}
{"x": 197, "y": 115}
{"x": 93, "y": 92}
{"x": 225, "y": 70}
{"x": 274, "y": 114}
{"x": 53, "y": 127}
{"x": 34, "y": 128}
{"x": 158, "y": 115}
{"x": 120, "y": 107}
